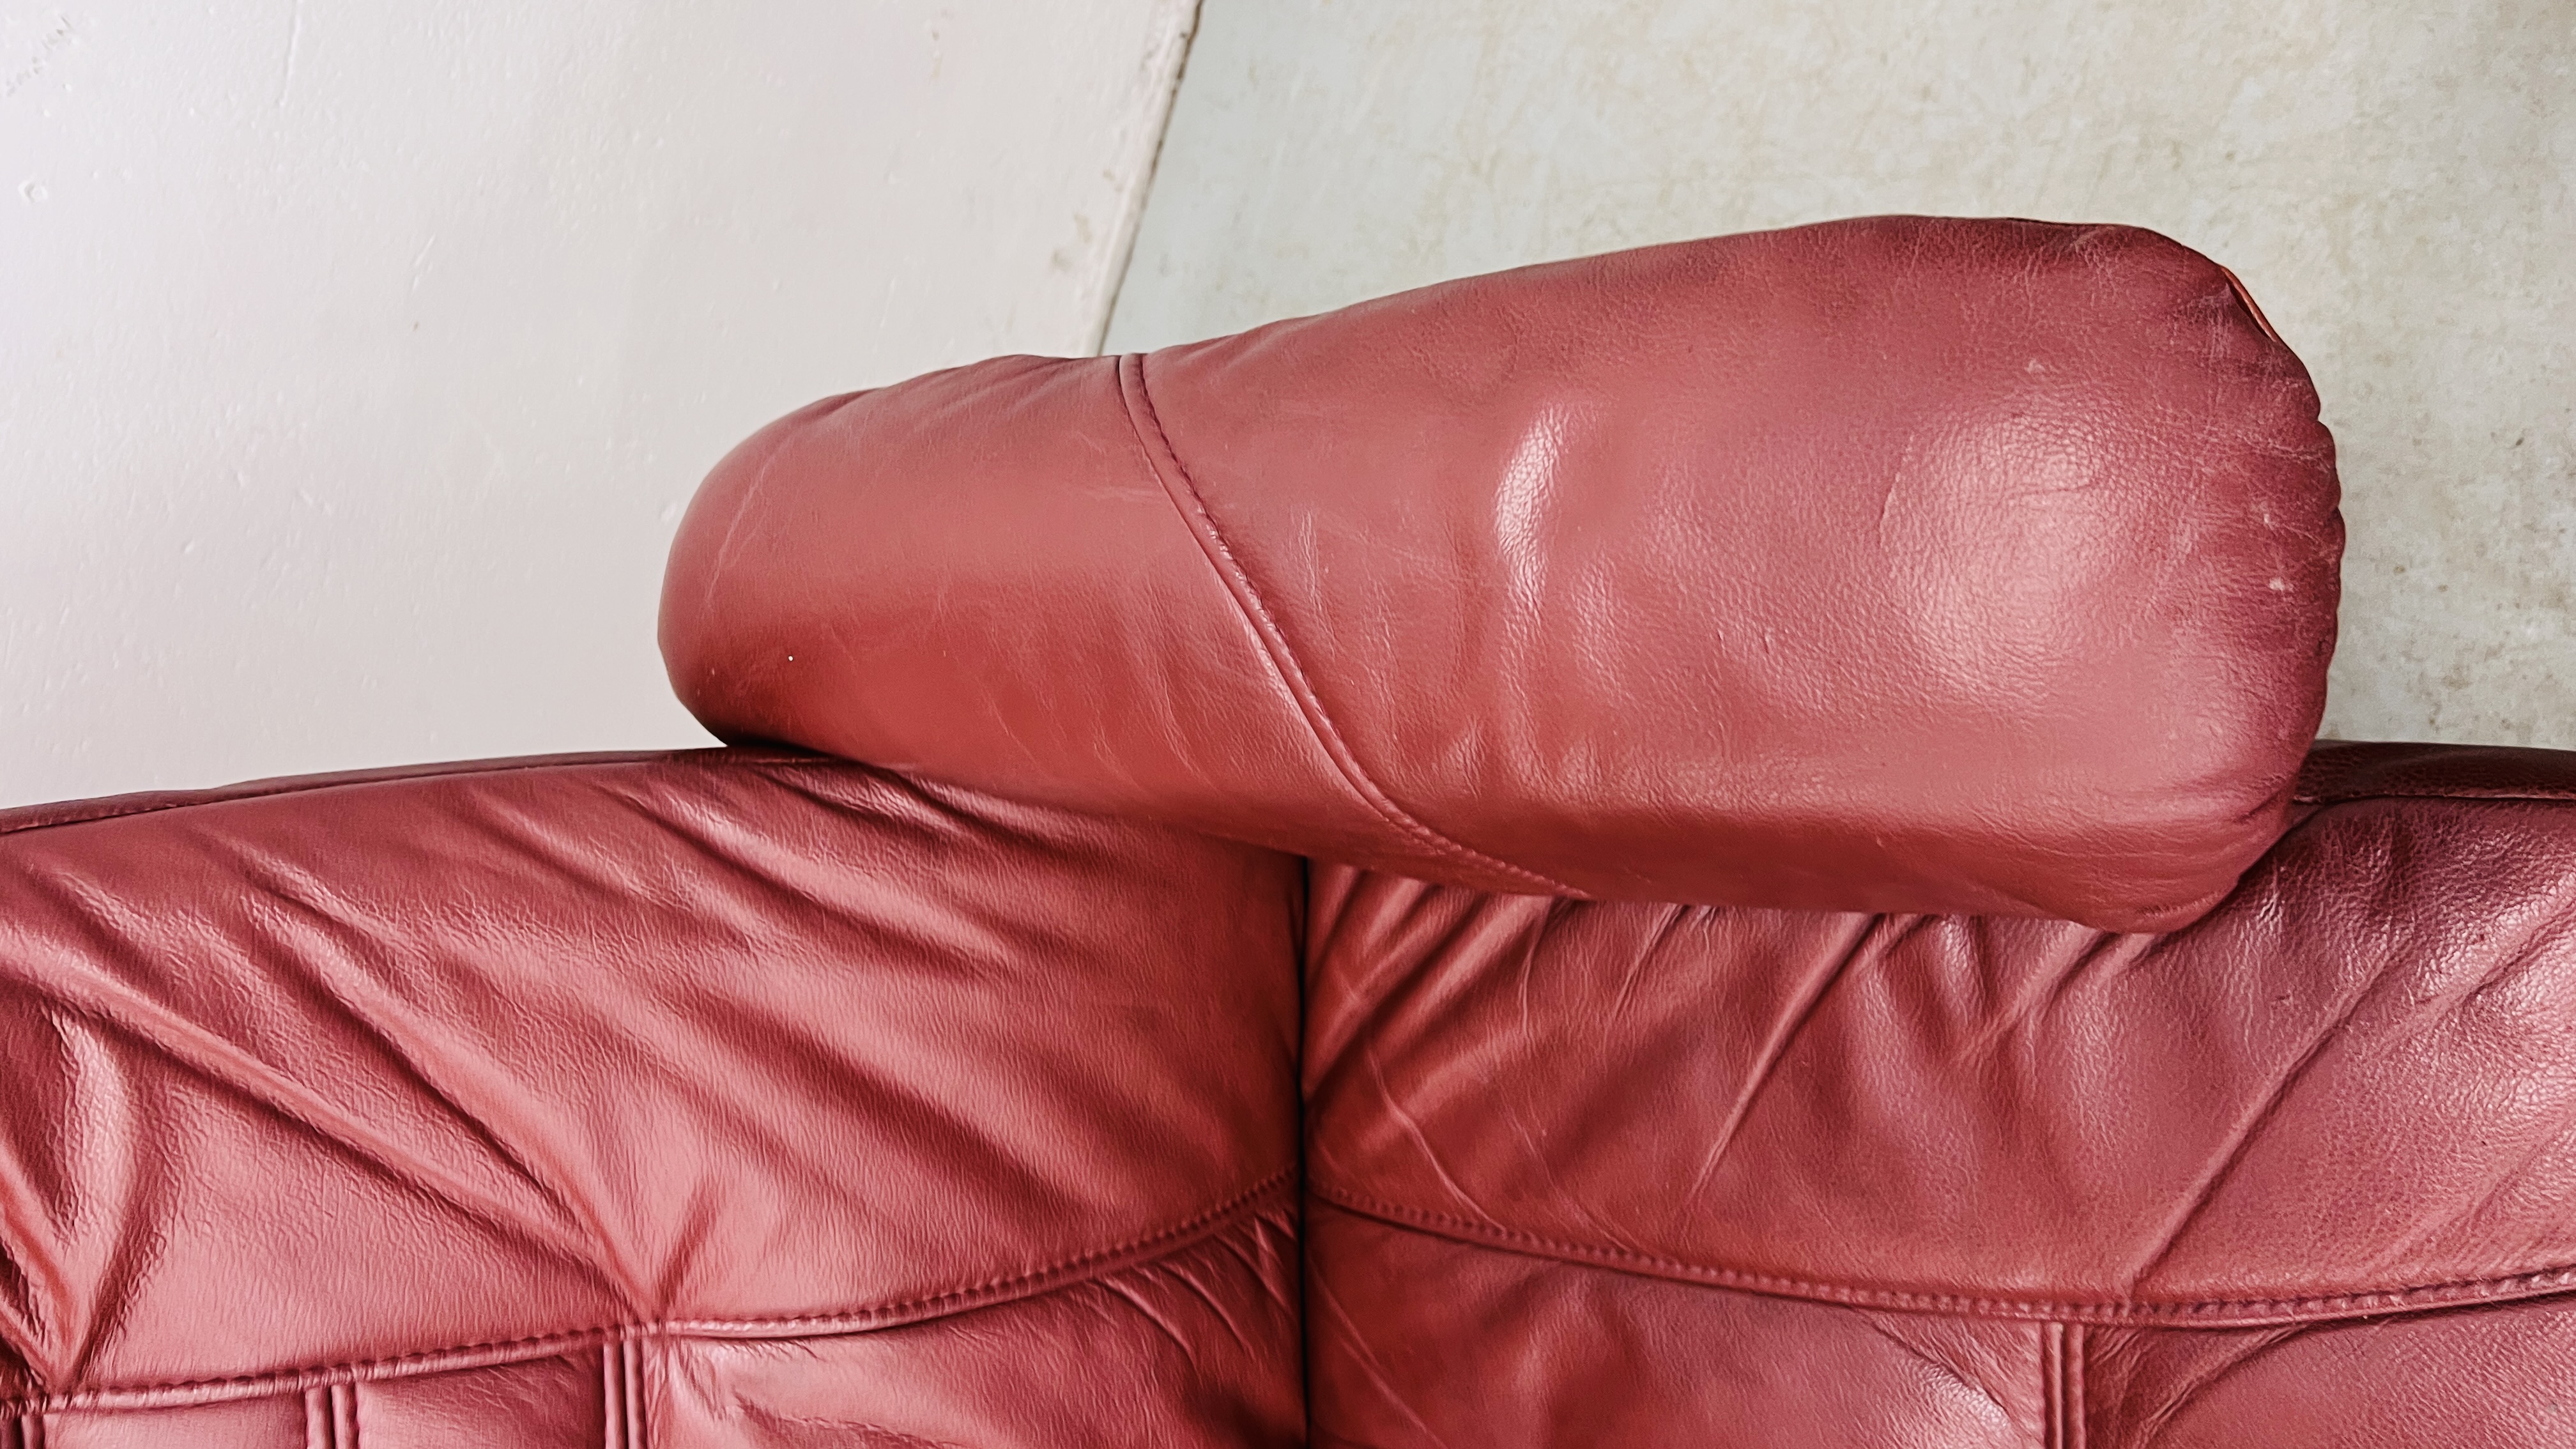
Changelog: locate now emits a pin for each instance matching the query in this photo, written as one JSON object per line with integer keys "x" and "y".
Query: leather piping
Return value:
{"x": 2061, "y": 1384}
{"x": 22, "y": 819}
{"x": 1168, "y": 470}
{"x": 2531, "y": 796}
{"x": 1063, "y": 1274}
{"x": 2201, "y": 1313}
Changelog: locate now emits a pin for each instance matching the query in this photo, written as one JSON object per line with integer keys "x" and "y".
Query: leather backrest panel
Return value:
{"x": 2347, "y": 1090}
{"x": 355, "y": 1081}
{"x": 2300, "y": 1174}
{"x": 1899, "y": 564}
{"x": 1504, "y": 1350}
{"x": 1184, "y": 1350}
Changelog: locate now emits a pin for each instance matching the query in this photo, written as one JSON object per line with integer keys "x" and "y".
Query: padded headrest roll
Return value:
{"x": 1898, "y": 564}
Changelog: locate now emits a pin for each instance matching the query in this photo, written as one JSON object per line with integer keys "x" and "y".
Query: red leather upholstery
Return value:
{"x": 742, "y": 1098}
{"x": 2302, "y": 1173}
{"x": 685, "y": 1100}
{"x": 1902, "y": 564}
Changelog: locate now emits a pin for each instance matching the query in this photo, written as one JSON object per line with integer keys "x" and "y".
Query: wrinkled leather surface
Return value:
{"x": 700, "y": 1100}
{"x": 708, "y": 1099}
{"x": 1898, "y": 564}
{"x": 2302, "y": 1173}
{"x": 747, "y": 1099}
{"x": 1511, "y": 1351}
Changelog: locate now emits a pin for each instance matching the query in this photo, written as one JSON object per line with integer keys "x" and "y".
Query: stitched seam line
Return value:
{"x": 2524, "y": 797}
{"x": 467, "y": 770}
{"x": 2052, "y": 1382}
{"x": 2079, "y": 1351}
{"x": 1066, "y": 1273}
{"x": 1168, "y": 470}
{"x": 2215, "y": 1312}
{"x": 628, "y": 1365}
{"x": 2062, "y": 1383}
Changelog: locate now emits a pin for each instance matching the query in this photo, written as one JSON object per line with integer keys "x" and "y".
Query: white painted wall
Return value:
{"x": 2392, "y": 180}
{"x": 357, "y": 356}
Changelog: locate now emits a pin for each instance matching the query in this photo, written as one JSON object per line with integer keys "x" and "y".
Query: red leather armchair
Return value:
{"x": 1711, "y": 846}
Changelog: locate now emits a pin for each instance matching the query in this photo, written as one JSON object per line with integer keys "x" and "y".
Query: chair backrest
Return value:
{"x": 1783, "y": 898}
{"x": 1797, "y": 739}
{"x": 1797, "y": 734}
{"x": 701, "y": 1099}
{"x": 2302, "y": 1173}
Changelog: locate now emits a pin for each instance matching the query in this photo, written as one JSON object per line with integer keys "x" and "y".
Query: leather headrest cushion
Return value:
{"x": 1895, "y": 564}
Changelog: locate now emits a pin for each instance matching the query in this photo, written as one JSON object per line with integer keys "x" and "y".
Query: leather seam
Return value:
{"x": 2213, "y": 1312}
{"x": 1059, "y": 1276}
{"x": 2522, "y": 797}
{"x": 396, "y": 775}
{"x": 2062, "y": 1365}
{"x": 1186, "y": 500}
{"x": 626, "y": 1384}
{"x": 2079, "y": 1365}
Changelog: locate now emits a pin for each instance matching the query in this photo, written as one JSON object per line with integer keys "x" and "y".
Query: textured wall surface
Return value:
{"x": 2393, "y": 181}
{"x": 356, "y": 359}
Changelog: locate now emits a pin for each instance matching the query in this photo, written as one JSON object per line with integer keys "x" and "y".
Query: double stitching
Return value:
{"x": 1066, "y": 1273}
{"x": 2061, "y": 1385}
{"x": 2209, "y": 1313}
{"x": 1168, "y": 470}
{"x": 31, "y": 818}
{"x": 331, "y": 1417}
{"x": 621, "y": 1388}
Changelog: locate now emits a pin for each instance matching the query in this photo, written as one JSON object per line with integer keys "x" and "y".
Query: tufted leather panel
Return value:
{"x": 1902, "y": 563}
{"x": 716, "y": 1098}
{"x": 1876, "y": 1179}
